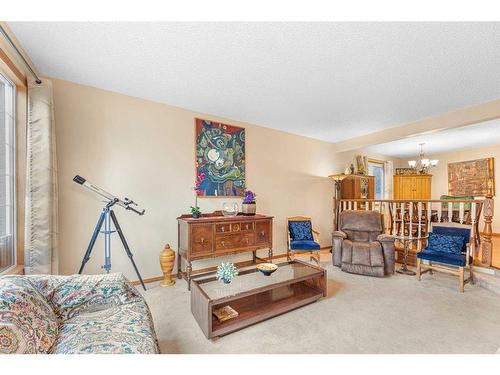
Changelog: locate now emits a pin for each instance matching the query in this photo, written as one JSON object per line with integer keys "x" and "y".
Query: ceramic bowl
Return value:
{"x": 267, "y": 268}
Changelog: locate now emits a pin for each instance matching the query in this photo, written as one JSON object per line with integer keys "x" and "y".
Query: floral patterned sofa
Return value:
{"x": 74, "y": 314}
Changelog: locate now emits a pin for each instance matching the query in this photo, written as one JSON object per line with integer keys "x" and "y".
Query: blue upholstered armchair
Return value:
{"x": 449, "y": 246}
{"x": 302, "y": 238}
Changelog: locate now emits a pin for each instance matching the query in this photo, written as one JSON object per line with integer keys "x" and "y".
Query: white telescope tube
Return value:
{"x": 103, "y": 193}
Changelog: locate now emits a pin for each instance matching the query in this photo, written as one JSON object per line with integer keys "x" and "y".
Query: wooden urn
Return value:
{"x": 167, "y": 260}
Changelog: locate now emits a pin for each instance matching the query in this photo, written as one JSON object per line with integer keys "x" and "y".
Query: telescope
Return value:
{"x": 126, "y": 203}
{"x": 106, "y": 218}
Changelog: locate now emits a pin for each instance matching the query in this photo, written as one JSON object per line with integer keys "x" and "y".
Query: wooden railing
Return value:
{"x": 412, "y": 219}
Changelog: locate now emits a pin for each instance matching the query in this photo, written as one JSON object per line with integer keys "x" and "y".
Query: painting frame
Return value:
{"x": 472, "y": 177}
{"x": 229, "y": 150}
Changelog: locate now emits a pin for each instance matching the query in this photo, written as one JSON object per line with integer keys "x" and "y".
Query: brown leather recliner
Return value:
{"x": 360, "y": 245}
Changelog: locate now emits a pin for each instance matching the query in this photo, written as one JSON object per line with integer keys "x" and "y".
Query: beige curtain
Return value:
{"x": 41, "y": 253}
{"x": 388, "y": 178}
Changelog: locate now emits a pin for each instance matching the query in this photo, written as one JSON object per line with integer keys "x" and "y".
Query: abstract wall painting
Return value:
{"x": 220, "y": 158}
{"x": 473, "y": 177}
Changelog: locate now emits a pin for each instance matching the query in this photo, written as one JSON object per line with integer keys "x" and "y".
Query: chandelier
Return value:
{"x": 423, "y": 164}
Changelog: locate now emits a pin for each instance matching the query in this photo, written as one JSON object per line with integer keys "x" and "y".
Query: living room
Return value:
{"x": 239, "y": 187}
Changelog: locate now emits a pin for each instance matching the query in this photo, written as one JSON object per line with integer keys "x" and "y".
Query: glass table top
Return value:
{"x": 250, "y": 278}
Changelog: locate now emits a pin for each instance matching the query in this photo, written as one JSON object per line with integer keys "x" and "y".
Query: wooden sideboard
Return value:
{"x": 214, "y": 235}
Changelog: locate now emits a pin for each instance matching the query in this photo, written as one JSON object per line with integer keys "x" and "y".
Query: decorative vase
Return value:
{"x": 248, "y": 208}
{"x": 226, "y": 280}
{"x": 230, "y": 209}
{"x": 196, "y": 215}
{"x": 167, "y": 259}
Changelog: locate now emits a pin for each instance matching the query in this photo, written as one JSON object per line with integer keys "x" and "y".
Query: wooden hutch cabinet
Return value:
{"x": 414, "y": 187}
{"x": 214, "y": 235}
{"x": 357, "y": 187}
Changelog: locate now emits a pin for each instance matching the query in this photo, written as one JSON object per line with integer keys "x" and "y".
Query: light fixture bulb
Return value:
{"x": 412, "y": 163}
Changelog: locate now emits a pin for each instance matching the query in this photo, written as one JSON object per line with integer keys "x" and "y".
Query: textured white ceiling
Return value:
{"x": 478, "y": 135}
{"x": 330, "y": 81}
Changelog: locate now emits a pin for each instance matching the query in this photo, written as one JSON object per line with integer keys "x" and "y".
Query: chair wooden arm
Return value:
{"x": 468, "y": 254}
{"x": 315, "y": 235}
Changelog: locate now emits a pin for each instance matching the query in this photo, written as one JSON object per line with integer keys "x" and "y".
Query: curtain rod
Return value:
{"x": 6, "y": 36}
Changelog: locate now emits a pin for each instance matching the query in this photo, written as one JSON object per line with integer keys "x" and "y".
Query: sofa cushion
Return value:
{"x": 445, "y": 244}
{"x": 27, "y": 322}
{"x": 300, "y": 230}
{"x": 444, "y": 257}
{"x": 125, "y": 329}
{"x": 304, "y": 245}
{"x": 71, "y": 295}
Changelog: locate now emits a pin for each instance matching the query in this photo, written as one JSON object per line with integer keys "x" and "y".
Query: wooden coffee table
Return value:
{"x": 254, "y": 296}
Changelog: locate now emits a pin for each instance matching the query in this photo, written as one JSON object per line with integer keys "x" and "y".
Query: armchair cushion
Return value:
{"x": 300, "y": 230}
{"x": 445, "y": 244}
{"x": 454, "y": 230}
{"x": 444, "y": 257}
{"x": 304, "y": 245}
{"x": 361, "y": 221}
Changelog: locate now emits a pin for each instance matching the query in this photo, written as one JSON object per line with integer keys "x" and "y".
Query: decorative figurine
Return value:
{"x": 167, "y": 259}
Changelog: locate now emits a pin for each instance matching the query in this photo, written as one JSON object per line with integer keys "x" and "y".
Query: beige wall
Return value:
{"x": 440, "y": 173}
{"x": 145, "y": 151}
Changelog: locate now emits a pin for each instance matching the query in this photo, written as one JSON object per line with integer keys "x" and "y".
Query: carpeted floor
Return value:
{"x": 361, "y": 314}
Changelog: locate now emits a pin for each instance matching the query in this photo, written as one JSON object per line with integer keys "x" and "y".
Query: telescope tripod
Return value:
{"x": 106, "y": 218}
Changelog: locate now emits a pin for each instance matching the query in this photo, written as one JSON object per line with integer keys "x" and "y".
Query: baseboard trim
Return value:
{"x": 213, "y": 268}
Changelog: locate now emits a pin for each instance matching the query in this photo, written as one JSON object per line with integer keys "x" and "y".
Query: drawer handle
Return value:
{"x": 223, "y": 229}
{"x": 247, "y": 226}
{"x": 262, "y": 234}
{"x": 202, "y": 240}
{"x": 223, "y": 243}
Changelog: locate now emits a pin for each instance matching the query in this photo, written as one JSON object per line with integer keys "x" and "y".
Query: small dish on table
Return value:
{"x": 267, "y": 268}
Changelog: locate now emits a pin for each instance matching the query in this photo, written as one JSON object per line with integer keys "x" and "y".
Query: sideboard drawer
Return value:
{"x": 201, "y": 238}
{"x": 247, "y": 226}
{"x": 225, "y": 243}
{"x": 223, "y": 228}
{"x": 263, "y": 231}
{"x": 246, "y": 239}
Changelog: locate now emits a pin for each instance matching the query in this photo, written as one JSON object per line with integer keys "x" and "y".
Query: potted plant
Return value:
{"x": 249, "y": 206}
{"x": 195, "y": 210}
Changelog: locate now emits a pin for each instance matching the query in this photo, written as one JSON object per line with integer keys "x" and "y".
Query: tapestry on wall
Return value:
{"x": 473, "y": 177}
{"x": 220, "y": 159}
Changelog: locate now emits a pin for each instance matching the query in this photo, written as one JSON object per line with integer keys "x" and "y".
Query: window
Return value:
{"x": 376, "y": 168}
{"x": 7, "y": 174}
